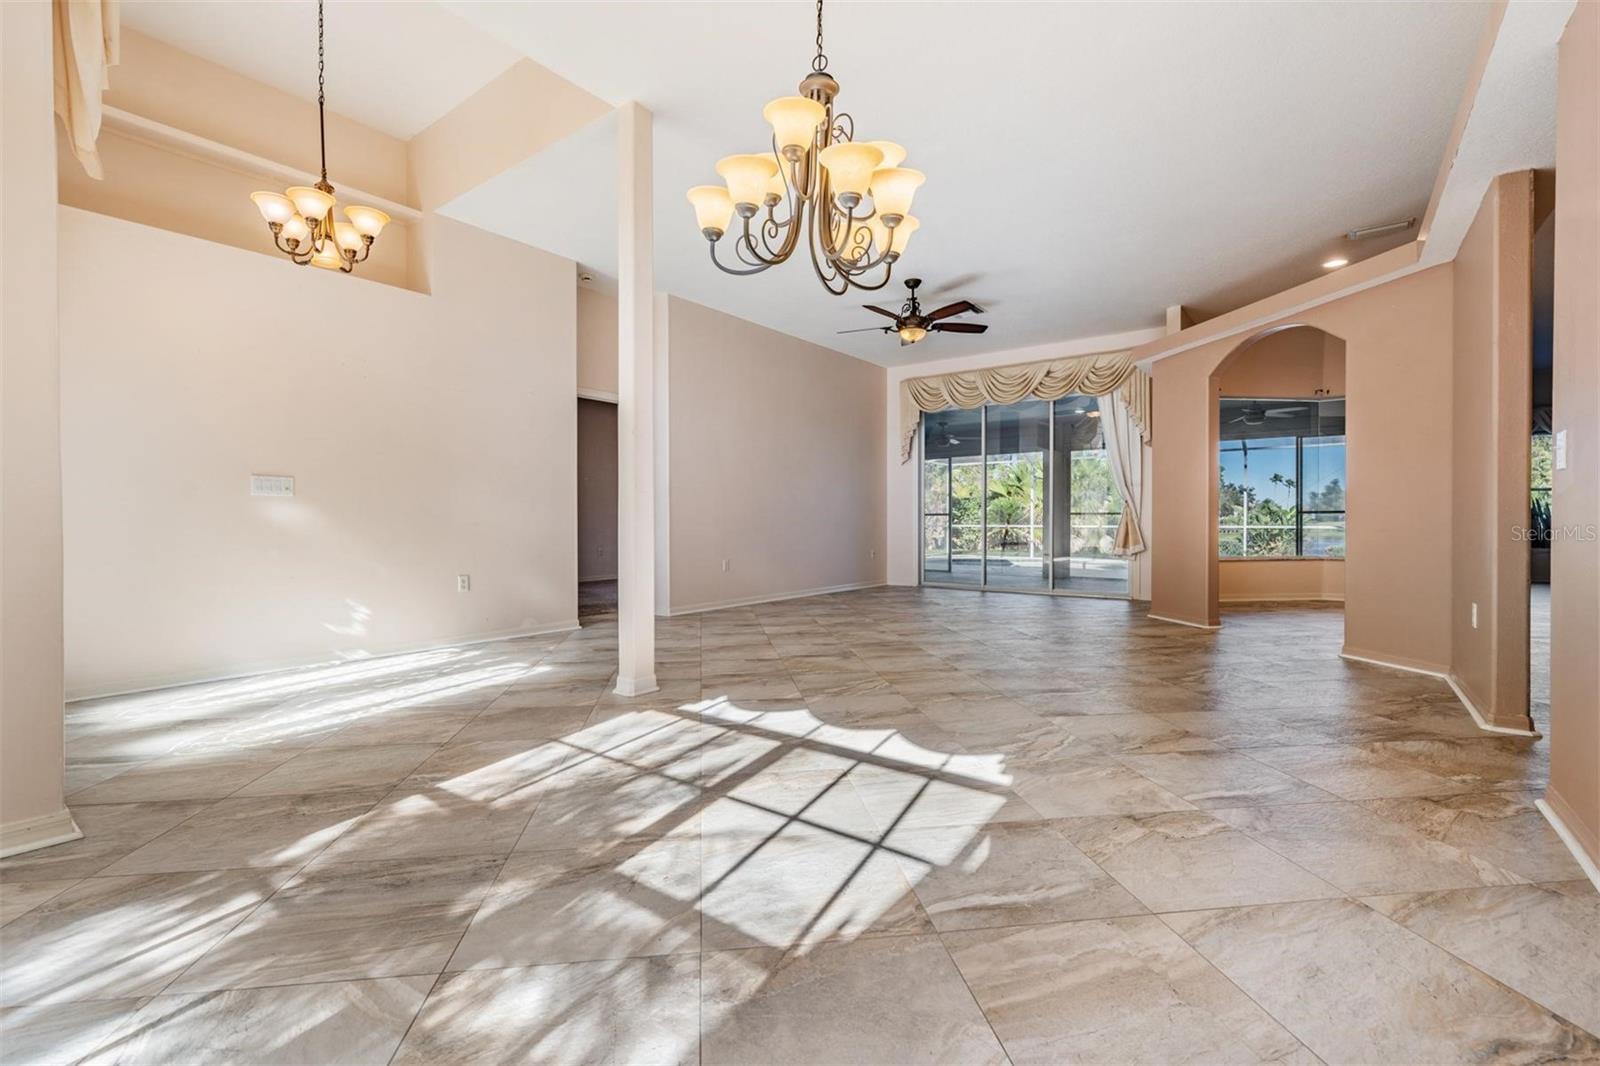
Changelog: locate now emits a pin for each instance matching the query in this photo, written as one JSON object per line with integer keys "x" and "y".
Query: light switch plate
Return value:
{"x": 1561, "y": 449}
{"x": 271, "y": 485}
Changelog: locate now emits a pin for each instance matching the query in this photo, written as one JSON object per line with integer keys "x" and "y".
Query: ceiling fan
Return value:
{"x": 1254, "y": 414}
{"x": 913, "y": 324}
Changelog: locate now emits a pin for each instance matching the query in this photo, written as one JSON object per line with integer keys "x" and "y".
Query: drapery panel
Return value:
{"x": 1088, "y": 375}
{"x": 1126, "y": 459}
{"x": 87, "y": 44}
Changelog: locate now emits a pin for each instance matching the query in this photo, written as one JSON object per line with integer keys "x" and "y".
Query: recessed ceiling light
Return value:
{"x": 1335, "y": 263}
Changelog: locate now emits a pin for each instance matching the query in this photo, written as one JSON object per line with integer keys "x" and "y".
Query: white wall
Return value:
{"x": 901, "y": 489}
{"x": 597, "y": 343}
{"x": 775, "y": 458}
{"x": 429, "y": 436}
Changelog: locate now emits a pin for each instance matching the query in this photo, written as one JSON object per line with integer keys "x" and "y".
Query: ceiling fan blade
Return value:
{"x": 867, "y": 329}
{"x": 881, "y": 311}
{"x": 960, "y": 307}
{"x": 1231, "y": 421}
{"x": 958, "y": 327}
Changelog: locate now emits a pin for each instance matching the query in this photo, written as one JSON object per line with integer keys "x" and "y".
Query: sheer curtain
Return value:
{"x": 1125, "y": 456}
{"x": 87, "y": 45}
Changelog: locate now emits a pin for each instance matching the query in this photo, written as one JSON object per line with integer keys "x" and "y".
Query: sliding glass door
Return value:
{"x": 1020, "y": 498}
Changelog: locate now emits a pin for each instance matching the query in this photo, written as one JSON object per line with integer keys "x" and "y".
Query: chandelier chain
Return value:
{"x": 322, "y": 121}
{"x": 820, "y": 63}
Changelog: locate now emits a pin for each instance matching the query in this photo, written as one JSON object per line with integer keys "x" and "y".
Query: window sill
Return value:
{"x": 1280, "y": 558}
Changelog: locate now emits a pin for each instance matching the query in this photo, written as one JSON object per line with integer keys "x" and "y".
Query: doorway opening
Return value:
{"x": 1021, "y": 498}
{"x": 597, "y": 510}
{"x": 1541, "y": 468}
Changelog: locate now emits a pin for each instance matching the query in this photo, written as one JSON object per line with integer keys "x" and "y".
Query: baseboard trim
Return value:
{"x": 1291, "y": 597}
{"x": 134, "y": 688}
{"x": 701, "y": 608}
{"x": 1570, "y": 839}
{"x": 1179, "y": 621}
{"x": 31, "y": 834}
{"x": 1449, "y": 679}
{"x": 628, "y": 687}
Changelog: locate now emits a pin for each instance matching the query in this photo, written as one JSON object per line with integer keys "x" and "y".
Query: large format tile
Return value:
{"x": 320, "y": 770}
{"x": 250, "y": 832}
{"x": 1362, "y": 853}
{"x": 51, "y": 1033}
{"x": 212, "y": 775}
{"x": 429, "y": 823}
{"x": 352, "y": 1022}
{"x": 842, "y": 1003}
{"x": 1121, "y": 990}
{"x": 121, "y": 937}
{"x": 19, "y": 897}
{"x": 1188, "y": 860}
{"x": 615, "y": 1010}
{"x": 346, "y": 921}
{"x": 607, "y": 901}
{"x": 1005, "y": 874}
{"x": 1358, "y": 988}
{"x": 1222, "y": 779}
{"x": 1502, "y": 828}
{"x": 1069, "y": 788}
{"x": 109, "y": 833}
{"x": 775, "y": 882}
{"x": 1541, "y": 940}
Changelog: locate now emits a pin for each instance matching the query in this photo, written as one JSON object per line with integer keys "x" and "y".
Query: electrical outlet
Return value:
{"x": 1474, "y": 616}
{"x": 1561, "y": 449}
{"x": 724, "y": 566}
{"x": 463, "y": 582}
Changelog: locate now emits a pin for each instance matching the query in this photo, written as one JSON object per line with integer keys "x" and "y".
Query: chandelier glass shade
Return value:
{"x": 848, "y": 200}
{"x": 301, "y": 219}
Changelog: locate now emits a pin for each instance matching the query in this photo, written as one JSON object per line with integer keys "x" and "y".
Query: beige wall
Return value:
{"x": 776, "y": 453}
{"x": 597, "y": 490}
{"x": 1397, "y": 381}
{"x": 1287, "y": 364}
{"x": 1575, "y": 560}
{"x": 1491, "y": 411}
{"x": 429, "y": 436}
{"x": 597, "y": 341}
{"x": 31, "y": 760}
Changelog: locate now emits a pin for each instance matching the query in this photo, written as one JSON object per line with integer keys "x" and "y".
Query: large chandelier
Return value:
{"x": 301, "y": 219}
{"x": 851, "y": 199}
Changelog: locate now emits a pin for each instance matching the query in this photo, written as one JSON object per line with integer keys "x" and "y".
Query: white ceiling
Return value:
{"x": 1088, "y": 164}
{"x": 392, "y": 64}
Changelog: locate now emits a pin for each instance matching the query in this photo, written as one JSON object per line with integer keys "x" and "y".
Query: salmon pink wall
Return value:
{"x": 1492, "y": 411}
{"x": 1397, "y": 381}
{"x": 1575, "y": 560}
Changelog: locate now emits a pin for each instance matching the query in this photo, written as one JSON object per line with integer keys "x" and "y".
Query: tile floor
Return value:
{"x": 888, "y": 826}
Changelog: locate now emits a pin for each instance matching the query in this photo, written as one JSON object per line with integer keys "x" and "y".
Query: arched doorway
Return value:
{"x": 1278, "y": 497}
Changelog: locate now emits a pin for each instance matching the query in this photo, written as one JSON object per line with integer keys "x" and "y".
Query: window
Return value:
{"x": 1539, "y": 475}
{"x": 1281, "y": 479}
{"x": 1020, "y": 497}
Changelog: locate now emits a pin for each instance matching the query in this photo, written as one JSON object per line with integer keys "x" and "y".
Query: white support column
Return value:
{"x": 636, "y": 406}
{"x": 32, "y": 811}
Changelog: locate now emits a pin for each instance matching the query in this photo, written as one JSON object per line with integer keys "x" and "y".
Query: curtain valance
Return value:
{"x": 1088, "y": 375}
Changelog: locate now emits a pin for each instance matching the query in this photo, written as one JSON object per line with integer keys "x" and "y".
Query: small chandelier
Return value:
{"x": 823, "y": 177}
{"x": 301, "y": 219}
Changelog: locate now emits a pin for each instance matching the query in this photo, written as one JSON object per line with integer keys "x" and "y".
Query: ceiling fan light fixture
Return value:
{"x": 1335, "y": 263}
{"x": 912, "y": 334}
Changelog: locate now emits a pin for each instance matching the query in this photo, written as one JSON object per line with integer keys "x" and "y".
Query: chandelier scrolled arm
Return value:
{"x": 850, "y": 199}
